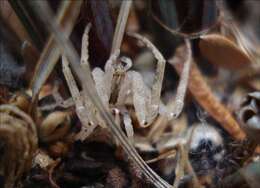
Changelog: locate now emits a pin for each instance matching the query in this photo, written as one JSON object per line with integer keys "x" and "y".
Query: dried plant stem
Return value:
{"x": 168, "y": 154}
{"x": 66, "y": 18}
{"x": 85, "y": 78}
{"x": 202, "y": 93}
{"x": 158, "y": 128}
{"x": 184, "y": 166}
{"x": 188, "y": 166}
{"x": 179, "y": 170}
{"x": 121, "y": 24}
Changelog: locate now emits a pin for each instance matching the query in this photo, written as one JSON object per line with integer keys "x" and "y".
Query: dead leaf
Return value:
{"x": 222, "y": 52}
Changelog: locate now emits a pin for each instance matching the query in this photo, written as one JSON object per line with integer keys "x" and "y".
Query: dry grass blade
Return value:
{"x": 88, "y": 88}
{"x": 158, "y": 128}
{"x": 66, "y": 18}
{"x": 222, "y": 52}
{"x": 121, "y": 24}
{"x": 204, "y": 96}
{"x": 184, "y": 166}
{"x": 168, "y": 154}
{"x": 248, "y": 46}
{"x": 179, "y": 170}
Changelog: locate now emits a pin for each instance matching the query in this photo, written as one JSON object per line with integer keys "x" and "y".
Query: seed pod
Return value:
{"x": 21, "y": 101}
{"x": 222, "y": 52}
{"x": 250, "y": 116}
{"x": 18, "y": 138}
{"x": 54, "y": 127}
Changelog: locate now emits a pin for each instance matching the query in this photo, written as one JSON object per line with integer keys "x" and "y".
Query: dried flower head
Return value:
{"x": 19, "y": 137}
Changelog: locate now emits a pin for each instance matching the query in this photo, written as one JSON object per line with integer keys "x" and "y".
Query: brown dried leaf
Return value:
{"x": 222, "y": 52}
{"x": 120, "y": 27}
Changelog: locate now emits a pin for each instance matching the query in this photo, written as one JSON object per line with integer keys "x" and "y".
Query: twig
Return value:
{"x": 51, "y": 53}
{"x": 179, "y": 170}
{"x": 121, "y": 24}
{"x": 168, "y": 154}
{"x": 50, "y": 173}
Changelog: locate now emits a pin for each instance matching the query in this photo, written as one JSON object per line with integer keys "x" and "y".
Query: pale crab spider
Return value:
{"x": 117, "y": 80}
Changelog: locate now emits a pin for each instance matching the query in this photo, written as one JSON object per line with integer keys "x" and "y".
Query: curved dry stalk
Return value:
{"x": 169, "y": 154}
{"x": 202, "y": 93}
{"x": 179, "y": 170}
{"x": 89, "y": 90}
{"x": 189, "y": 168}
{"x": 67, "y": 16}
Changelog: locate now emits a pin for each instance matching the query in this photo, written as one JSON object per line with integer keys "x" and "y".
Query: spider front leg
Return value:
{"x": 84, "y": 114}
{"x": 154, "y": 101}
{"x": 183, "y": 84}
{"x": 84, "y": 63}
